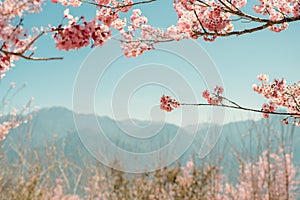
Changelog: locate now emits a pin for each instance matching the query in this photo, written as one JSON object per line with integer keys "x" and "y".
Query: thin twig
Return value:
{"x": 232, "y": 102}
{"x": 297, "y": 105}
{"x": 240, "y": 108}
{"x": 200, "y": 22}
{"x": 19, "y": 54}
{"x": 116, "y": 7}
{"x": 207, "y": 5}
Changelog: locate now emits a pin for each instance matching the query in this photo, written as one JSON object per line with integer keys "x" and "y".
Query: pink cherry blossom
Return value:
{"x": 214, "y": 98}
{"x": 278, "y": 10}
{"x": 107, "y": 15}
{"x": 218, "y": 90}
{"x": 14, "y": 38}
{"x": 14, "y": 121}
{"x": 137, "y": 19}
{"x": 74, "y": 3}
{"x": 168, "y": 104}
{"x": 263, "y": 77}
{"x": 103, "y": 2}
{"x": 280, "y": 95}
{"x": 200, "y": 17}
{"x": 206, "y": 94}
{"x": 119, "y": 24}
{"x": 75, "y": 36}
{"x": 206, "y": 19}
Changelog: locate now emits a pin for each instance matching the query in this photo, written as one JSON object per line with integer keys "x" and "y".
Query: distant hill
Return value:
{"x": 56, "y": 126}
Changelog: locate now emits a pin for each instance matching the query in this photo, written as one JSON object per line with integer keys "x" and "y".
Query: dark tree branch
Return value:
{"x": 200, "y": 22}
{"x": 268, "y": 24}
{"x": 116, "y": 7}
{"x": 22, "y": 53}
{"x": 240, "y": 108}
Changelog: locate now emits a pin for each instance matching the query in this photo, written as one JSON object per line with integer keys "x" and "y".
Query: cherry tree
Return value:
{"x": 206, "y": 19}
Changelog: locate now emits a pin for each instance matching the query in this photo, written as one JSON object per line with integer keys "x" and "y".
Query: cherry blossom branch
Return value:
{"x": 212, "y": 19}
{"x": 12, "y": 119}
{"x": 145, "y": 40}
{"x": 276, "y": 91}
{"x": 19, "y": 7}
{"x": 240, "y": 108}
{"x": 202, "y": 2}
{"x": 196, "y": 18}
{"x": 21, "y": 55}
{"x": 268, "y": 24}
{"x": 169, "y": 101}
{"x": 27, "y": 47}
{"x": 295, "y": 101}
{"x": 16, "y": 41}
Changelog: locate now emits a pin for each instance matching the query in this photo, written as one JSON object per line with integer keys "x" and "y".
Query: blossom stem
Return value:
{"x": 240, "y": 108}
{"x": 116, "y": 7}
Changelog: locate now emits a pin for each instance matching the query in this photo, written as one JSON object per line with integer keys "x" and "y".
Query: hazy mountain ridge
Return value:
{"x": 56, "y": 126}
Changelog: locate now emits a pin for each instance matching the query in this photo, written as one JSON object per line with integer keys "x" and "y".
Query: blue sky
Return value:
{"x": 238, "y": 59}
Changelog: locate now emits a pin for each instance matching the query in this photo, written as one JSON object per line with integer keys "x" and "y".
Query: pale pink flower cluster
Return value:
{"x": 148, "y": 35}
{"x": 267, "y": 176}
{"x": 119, "y": 24}
{"x": 280, "y": 95}
{"x": 273, "y": 176}
{"x": 211, "y": 15}
{"x": 168, "y": 104}
{"x": 194, "y": 18}
{"x": 137, "y": 19}
{"x": 13, "y": 37}
{"x": 78, "y": 33}
{"x": 239, "y": 3}
{"x": 103, "y": 2}
{"x": 263, "y": 77}
{"x": 98, "y": 188}
{"x": 6, "y": 127}
{"x": 14, "y": 120}
{"x": 278, "y": 10}
{"x": 5, "y": 63}
{"x": 74, "y": 3}
{"x": 186, "y": 25}
{"x": 208, "y": 16}
{"x": 135, "y": 48}
{"x": 186, "y": 177}
{"x": 214, "y": 98}
{"x": 175, "y": 33}
{"x": 107, "y": 15}
{"x": 132, "y": 44}
{"x": 12, "y": 8}
{"x": 58, "y": 192}
{"x": 124, "y": 5}
{"x": 75, "y": 36}
{"x": 215, "y": 20}
{"x": 268, "y": 107}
